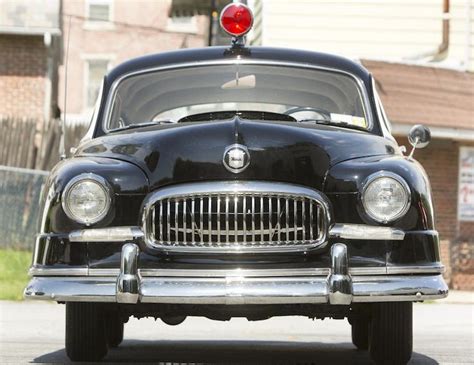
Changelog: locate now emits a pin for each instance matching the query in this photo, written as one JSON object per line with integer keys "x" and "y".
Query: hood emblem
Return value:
{"x": 236, "y": 158}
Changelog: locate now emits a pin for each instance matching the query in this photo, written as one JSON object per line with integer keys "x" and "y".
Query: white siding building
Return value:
{"x": 395, "y": 30}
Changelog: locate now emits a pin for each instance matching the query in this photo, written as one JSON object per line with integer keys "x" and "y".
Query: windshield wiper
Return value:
{"x": 336, "y": 123}
{"x": 146, "y": 124}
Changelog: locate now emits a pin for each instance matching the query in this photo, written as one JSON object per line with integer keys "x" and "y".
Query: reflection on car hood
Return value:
{"x": 279, "y": 151}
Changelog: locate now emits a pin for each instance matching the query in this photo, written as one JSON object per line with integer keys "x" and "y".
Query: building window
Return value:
{"x": 96, "y": 69}
{"x": 99, "y": 11}
{"x": 185, "y": 24}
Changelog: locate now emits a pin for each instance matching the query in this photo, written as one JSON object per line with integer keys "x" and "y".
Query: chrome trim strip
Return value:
{"x": 338, "y": 230}
{"x": 240, "y": 290}
{"x": 50, "y": 198}
{"x": 234, "y": 273}
{"x": 246, "y": 273}
{"x": 365, "y": 232}
{"x": 113, "y": 89}
{"x": 395, "y": 270}
{"x": 52, "y": 271}
{"x": 374, "y": 270}
{"x": 110, "y": 234}
{"x": 241, "y": 188}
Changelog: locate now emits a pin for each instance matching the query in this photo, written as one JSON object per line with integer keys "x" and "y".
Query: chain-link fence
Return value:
{"x": 20, "y": 191}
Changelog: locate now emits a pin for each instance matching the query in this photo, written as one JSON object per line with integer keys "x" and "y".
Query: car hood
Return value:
{"x": 279, "y": 151}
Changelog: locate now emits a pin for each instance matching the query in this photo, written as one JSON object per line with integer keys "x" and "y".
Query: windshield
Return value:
{"x": 173, "y": 96}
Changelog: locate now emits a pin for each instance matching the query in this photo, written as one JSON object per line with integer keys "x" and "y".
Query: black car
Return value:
{"x": 238, "y": 182}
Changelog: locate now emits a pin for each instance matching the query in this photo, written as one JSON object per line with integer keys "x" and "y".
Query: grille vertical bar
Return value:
{"x": 236, "y": 219}
{"x": 185, "y": 221}
{"x": 160, "y": 223}
{"x": 244, "y": 216}
{"x": 270, "y": 217}
{"x": 209, "y": 220}
{"x": 295, "y": 220}
{"x": 262, "y": 228}
{"x": 227, "y": 219}
{"x": 253, "y": 218}
{"x": 201, "y": 219}
{"x": 193, "y": 222}
{"x": 218, "y": 219}
{"x": 303, "y": 218}
{"x": 168, "y": 216}
{"x": 278, "y": 219}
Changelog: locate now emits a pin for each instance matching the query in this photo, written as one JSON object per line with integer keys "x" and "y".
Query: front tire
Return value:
{"x": 85, "y": 332}
{"x": 391, "y": 333}
{"x": 360, "y": 333}
{"x": 114, "y": 330}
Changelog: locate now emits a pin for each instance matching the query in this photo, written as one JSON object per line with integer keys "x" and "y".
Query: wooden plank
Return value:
{"x": 11, "y": 138}
{"x": 24, "y": 144}
{"x": 2, "y": 139}
{"x": 31, "y": 149}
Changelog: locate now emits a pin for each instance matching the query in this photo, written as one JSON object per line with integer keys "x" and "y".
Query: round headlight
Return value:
{"x": 385, "y": 197}
{"x": 86, "y": 199}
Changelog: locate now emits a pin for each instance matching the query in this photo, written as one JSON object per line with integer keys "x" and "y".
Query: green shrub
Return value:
{"x": 13, "y": 273}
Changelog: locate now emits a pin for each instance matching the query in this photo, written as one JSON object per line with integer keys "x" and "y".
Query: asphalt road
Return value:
{"x": 32, "y": 332}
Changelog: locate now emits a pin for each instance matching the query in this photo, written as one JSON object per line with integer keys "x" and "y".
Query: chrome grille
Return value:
{"x": 237, "y": 216}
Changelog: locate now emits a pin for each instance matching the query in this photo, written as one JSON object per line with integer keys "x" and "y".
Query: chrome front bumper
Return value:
{"x": 338, "y": 287}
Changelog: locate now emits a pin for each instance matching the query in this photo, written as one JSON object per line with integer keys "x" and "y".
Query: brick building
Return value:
{"x": 104, "y": 33}
{"x": 30, "y": 53}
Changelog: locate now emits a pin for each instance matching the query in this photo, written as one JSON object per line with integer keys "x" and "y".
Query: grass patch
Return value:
{"x": 13, "y": 273}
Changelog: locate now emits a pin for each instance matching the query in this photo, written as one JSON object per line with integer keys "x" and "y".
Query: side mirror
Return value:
{"x": 419, "y": 137}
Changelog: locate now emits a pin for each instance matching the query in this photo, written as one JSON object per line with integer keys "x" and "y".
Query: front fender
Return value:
{"x": 128, "y": 183}
{"x": 344, "y": 182}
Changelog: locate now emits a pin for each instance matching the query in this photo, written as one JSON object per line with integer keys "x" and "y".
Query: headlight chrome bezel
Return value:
{"x": 101, "y": 182}
{"x": 385, "y": 174}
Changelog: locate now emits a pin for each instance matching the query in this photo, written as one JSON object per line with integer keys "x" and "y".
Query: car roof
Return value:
{"x": 282, "y": 55}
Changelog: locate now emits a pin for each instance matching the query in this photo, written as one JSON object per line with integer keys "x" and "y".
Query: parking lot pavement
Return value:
{"x": 33, "y": 332}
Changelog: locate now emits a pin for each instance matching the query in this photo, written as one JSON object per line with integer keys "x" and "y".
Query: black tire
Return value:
{"x": 360, "y": 333}
{"x": 114, "y": 330}
{"x": 85, "y": 332}
{"x": 391, "y": 333}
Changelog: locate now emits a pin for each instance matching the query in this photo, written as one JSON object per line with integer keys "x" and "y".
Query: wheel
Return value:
{"x": 114, "y": 329}
{"x": 85, "y": 332}
{"x": 360, "y": 333}
{"x": 391, "y": 333}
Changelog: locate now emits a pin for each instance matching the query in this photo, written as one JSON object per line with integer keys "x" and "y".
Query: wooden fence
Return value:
{"x": 34, "y": 144}
{"x": 28, "y": 149}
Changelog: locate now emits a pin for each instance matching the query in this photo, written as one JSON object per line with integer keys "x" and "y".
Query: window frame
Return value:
{"x": 192, "y": 27}
{"x": 91, "y": 24}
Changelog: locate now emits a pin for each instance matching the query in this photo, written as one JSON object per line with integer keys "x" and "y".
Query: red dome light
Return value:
{"x": 236, "y": 19}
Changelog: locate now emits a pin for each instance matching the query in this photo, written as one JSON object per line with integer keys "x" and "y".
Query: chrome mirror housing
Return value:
{"x": 419, "y": 136}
